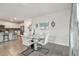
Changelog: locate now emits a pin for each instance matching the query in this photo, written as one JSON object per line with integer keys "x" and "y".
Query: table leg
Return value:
{"x": 35, "y": 45}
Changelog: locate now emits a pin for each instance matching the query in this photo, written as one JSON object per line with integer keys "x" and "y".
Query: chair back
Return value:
{"x": 46, "y": 39}
{"x": 26, "y": 39}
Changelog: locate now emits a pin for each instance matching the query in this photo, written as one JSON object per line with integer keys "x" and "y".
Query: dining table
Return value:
{"x": 36, "y": 38}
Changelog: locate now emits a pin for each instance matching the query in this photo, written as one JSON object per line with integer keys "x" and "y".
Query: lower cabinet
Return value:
{"x": 1, "y": 37}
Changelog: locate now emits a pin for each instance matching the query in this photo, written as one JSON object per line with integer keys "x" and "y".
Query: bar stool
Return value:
{"x": 6, "y": 36}
{"x": 1, "y": 37}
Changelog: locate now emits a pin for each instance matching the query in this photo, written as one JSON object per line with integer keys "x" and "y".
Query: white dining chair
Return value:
{"x": 27, "y": 39}
{"x": 42, "y": 42}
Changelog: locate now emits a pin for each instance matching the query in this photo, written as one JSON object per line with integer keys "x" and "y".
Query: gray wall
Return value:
{"x": 60, "y": 33}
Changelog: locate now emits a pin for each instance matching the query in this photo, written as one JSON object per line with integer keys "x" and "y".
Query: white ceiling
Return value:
{"x": 28, "y": 10}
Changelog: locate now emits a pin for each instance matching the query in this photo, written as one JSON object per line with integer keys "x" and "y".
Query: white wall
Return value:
{"x": 26, "y": 24}
{"x": 9, "y": 24}
{"x": 26, "y": 32}
{"x": 60, "y": 33}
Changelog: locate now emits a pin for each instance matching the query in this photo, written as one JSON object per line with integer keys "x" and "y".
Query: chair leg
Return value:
{"x": 44, "y": 49}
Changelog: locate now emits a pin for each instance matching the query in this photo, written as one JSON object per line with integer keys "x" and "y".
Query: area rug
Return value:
{"x": 54, "y": 50}
{"x": 27, "y": 52}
